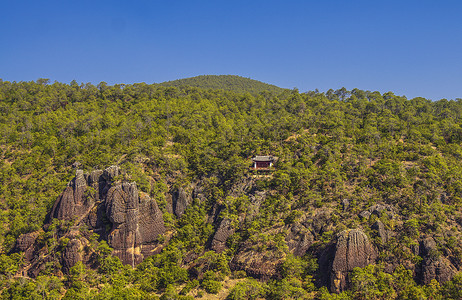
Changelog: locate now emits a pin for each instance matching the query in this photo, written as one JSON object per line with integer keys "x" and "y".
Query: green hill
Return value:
{"x": 364, "y": 200}
{"x": 226, "y": 82}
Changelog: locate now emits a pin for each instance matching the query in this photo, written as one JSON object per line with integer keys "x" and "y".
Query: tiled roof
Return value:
{"x": 263, "y": 158}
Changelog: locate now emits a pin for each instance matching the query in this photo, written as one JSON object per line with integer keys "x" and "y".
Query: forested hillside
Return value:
{"x": 145, "y": 191}
{"x": 226, "y": 82}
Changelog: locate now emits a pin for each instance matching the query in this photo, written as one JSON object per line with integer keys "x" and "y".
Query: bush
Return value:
{"x": 210, "y": 282}
{"x": 211, "y": 286}
{"x": 248, "y": 289}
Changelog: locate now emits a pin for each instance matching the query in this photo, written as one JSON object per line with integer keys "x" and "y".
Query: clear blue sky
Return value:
{"x": 412, "y": 48}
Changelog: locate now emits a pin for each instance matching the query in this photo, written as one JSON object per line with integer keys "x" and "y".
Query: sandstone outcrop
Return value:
{"x": 72, "y": 254}
{"x": 263, "y": 264}
{"x": 224, "y": 231}
{"x": 353, "y": 249}
{"x": 135, "y": 221}
{"x": 129, "y": 220}
{"x": 299, "y": 239}
{"x": 377, "y": 210}
{"x": 25, "y": 243}
{"x": 434, "y": 265}
{"x": 381, "y": 231}
{"x": 180, "y": 202}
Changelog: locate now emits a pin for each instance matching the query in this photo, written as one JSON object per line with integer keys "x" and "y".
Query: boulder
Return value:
{"x": 321, "y": 221}
{"x": 72, "y": 254}
{"x": 24, "y": 241}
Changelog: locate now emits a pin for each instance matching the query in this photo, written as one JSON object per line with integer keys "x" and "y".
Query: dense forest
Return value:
{"x": 364, "y": 201}
{"x": 226, "y": 82}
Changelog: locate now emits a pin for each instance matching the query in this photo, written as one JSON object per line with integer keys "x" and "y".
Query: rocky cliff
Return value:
{"x": 129, "y": 220}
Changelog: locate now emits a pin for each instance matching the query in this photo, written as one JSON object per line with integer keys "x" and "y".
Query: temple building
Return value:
{"x": 263, "y": 162}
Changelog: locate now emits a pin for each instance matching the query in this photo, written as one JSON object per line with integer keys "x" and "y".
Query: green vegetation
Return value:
{"x": 362, "y": 146}
{"x": 225, "y": 82}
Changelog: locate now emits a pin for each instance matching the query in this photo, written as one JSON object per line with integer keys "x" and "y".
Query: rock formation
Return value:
{"x": 377, "y": 210}
{"x": 381, "y": 231}
{"x": 180, "y": 202}
{"x": 135, "y": 221}
{"x": 434, "y": 265}
{"x": 129, "y": 220}
{"x": 299, "y": 239}
{"x": 263, "y": 264}
{"x": 352, "y": 250}
{"x": 224, "y": 231}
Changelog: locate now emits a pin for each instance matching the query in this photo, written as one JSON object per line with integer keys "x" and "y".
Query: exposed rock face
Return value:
{"x": 72, "y": 254}
{"x": 321, "y": 222}
{"x": 352, "y": 250}
{"x": 224, "y": 231}
{"x": 382, "y": 232}
{"x": 180, "y": 202}
{"x": 434, "y": 266}
{"x": 73, "y": 202}
{"x": 377, "y": 210}
{"x": 299, "y": 239}
{"x": 135, "y": 220}
{"x": 130, "y": 221}
{"x": 26, "y": 240}
{"x": 258, "y": 264}
{"x": 25, "y": 243}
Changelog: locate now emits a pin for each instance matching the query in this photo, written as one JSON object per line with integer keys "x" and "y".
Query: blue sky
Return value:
{"x": 412, "y": 48}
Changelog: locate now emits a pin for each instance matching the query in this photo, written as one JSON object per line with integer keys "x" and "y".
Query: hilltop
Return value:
{"x": 226, "y": 82}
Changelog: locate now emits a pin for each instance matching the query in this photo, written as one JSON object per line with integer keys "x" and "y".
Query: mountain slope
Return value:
{"x": 226, "y": 82}
{"x": 366, "y": 192}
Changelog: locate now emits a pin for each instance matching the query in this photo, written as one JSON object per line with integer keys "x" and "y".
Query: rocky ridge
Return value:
{"x": 131, "y": 223}
{"x": 129, "y": 220}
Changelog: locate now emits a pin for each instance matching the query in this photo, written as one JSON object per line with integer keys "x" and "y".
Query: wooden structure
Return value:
{"x": 263, "y": 162}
